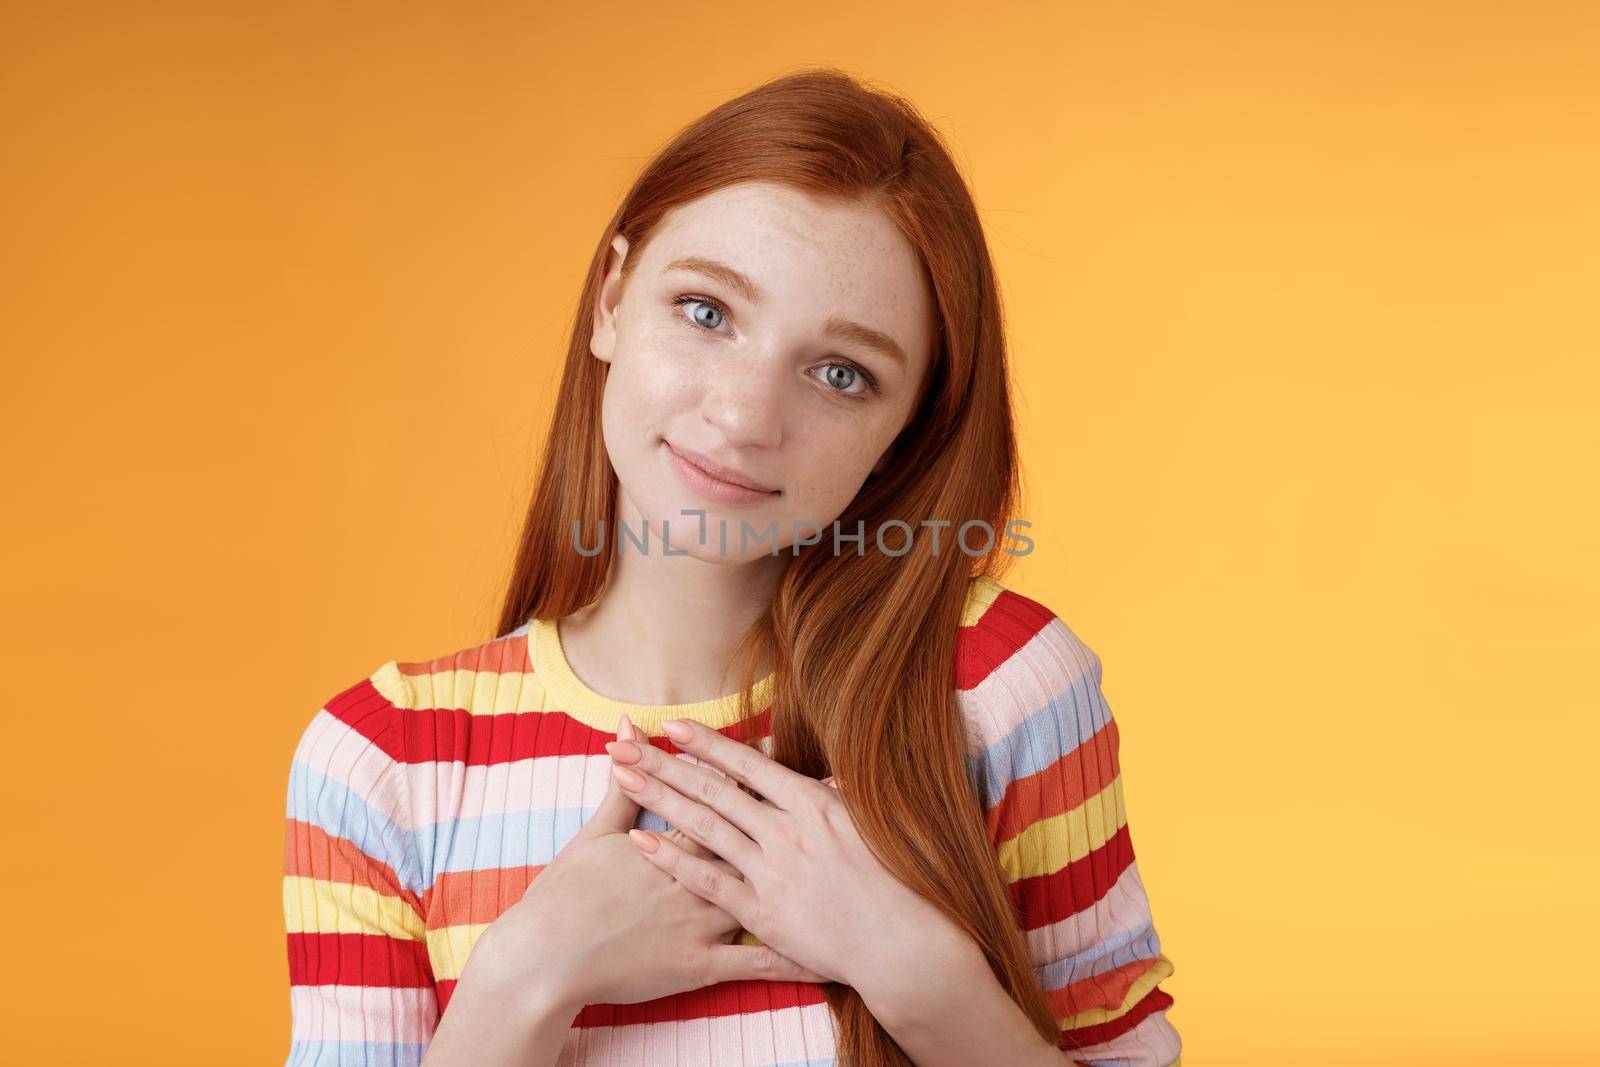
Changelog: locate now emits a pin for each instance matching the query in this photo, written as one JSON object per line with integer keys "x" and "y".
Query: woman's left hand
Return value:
{"x": 811, "y": 888}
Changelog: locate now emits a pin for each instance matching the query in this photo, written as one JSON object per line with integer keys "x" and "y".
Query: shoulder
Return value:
{"x": 1028, "y": 686}
{"x": 393, "y": 706}
{"x": 486, "y": 678}
{"x": 1007, "y": 640}
{"x": 362, "y": 715}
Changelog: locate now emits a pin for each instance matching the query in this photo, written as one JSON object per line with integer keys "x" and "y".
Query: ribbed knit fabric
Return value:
{"x": 425, "y": 798}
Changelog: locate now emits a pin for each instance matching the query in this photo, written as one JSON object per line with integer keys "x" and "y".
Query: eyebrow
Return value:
{"x": 836, "y": 327}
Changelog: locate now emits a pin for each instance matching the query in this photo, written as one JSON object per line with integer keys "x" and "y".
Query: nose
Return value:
{"x": 745, "y": 403}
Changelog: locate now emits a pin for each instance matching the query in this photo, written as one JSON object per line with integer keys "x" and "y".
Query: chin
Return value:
{"x": 686, "y": 531}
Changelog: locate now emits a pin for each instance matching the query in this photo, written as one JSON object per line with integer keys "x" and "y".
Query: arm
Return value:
{"x": 1049, "y": 777}
{"x": 362, "y": 987}
{"x": 493, "y": 1023}
{"x": 361, "y": 984}
{"x": 964, "y": 1018}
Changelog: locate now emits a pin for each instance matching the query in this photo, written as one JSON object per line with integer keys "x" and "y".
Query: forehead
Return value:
{"x": 805, "y": 252}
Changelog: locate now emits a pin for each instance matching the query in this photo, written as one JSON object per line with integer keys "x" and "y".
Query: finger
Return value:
{"x": 743, "y": 763}
{"x": 700, "y": 877}
{"x": 755, "y": 819}
{"x": 733, "y": 962}
{"x": 701, "y": 822}
{"x": 694, "y": 848}
{"x": 618, "y": 810}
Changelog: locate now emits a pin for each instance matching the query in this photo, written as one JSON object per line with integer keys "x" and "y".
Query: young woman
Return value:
{"x": 767, "y": 765}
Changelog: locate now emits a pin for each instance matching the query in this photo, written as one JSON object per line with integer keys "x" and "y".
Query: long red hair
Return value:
{"x": 867, "y": 696}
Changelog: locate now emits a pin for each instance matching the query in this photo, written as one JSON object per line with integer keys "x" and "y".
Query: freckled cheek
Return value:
{"x": 658, "y": 378}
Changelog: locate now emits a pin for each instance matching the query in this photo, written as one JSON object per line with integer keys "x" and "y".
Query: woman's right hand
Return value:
{"x": 601, "y": 924}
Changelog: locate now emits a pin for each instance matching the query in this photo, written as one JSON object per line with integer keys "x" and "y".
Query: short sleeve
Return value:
{"x": 1045, "y": 764}
{"x": 361, "y": 989}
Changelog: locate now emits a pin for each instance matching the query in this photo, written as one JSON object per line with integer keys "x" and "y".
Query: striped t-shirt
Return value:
{"x": 425, "y": 798}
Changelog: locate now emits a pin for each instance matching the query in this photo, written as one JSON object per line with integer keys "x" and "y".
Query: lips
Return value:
{"x": 719, "y": 489}
{"x": 718, "y": 471}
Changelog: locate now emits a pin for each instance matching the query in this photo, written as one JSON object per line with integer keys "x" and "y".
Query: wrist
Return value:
{"x": 914, "y": 989}
{"x": 515, "y": 969}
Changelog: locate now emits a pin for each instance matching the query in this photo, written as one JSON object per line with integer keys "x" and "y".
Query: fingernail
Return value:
{"x": 643, "y": 840}
{"x": 630, "y": 779}
{"x": 625, "y": 751}
{"x": 624, "y": 723}
{"x": 677, "y": 729}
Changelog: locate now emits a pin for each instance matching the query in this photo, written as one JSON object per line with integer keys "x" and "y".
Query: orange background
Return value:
{"x": 1302, "y": 300}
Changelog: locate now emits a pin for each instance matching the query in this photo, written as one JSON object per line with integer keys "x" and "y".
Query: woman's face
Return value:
{"x": 781, "y": 337}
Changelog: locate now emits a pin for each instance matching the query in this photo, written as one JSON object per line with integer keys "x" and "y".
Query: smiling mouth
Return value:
{"x": 708, "y": 479}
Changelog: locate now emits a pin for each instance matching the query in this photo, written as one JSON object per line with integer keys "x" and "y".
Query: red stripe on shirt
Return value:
{"x": 1081, "y": 1037}
{"x": 456, "y": 736}
{"x": 1049, "y": 898}
{"x": 370, "y": 714}
{"x": 1060, "y": 787}
{"x": 1104, "y": 991}
{"x": 1009, "y": 622}
{"x": 358, "y": 959}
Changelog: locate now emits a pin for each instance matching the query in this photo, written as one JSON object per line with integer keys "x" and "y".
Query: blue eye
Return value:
{"x": 840, "y": 376}
{"x": 708, "y": 310}
{"x": 835, "y": 371}
{"x": 707, "y": 315}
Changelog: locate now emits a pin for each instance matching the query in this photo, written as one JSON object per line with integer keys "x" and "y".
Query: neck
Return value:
{"x": 665, "y": 629}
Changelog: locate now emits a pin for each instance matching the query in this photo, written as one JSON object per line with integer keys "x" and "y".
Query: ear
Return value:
{"x": 603, "y": 338}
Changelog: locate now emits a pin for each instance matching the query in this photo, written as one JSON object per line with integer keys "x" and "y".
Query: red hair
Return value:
{"x": 867, "y": 696}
